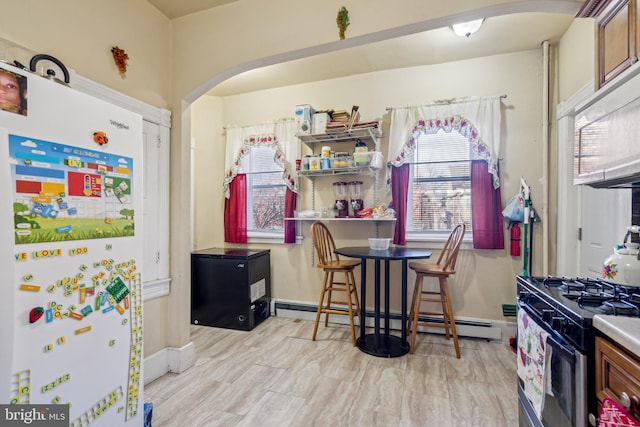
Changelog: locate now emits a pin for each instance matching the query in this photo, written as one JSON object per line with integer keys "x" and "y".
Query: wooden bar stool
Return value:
{"x": 332, "y": 264}
{"x": 442, "y": 269}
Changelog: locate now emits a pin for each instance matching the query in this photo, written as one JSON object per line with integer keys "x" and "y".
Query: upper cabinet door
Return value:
{"x": 617, "y": 38}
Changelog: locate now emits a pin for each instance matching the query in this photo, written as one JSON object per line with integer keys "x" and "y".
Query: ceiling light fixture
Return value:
{"x": 465, "y": 29}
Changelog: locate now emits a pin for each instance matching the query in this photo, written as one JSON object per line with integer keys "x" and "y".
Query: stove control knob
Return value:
{"x": 558, "y": 323}
{"x": 524, "y": 296}
{"x": 592, "y": 419}
{"x": 547, "y": 315}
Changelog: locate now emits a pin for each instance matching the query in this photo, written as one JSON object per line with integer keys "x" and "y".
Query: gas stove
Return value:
{"x": 564, "y": 308}
{"x": 567, "y": 305}
{"x": 601, "y": 296}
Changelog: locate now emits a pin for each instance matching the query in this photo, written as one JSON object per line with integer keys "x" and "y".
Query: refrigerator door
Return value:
{"x": 70, "y": 226}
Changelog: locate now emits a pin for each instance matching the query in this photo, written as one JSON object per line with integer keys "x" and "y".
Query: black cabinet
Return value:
{"x": 230, "y": 288}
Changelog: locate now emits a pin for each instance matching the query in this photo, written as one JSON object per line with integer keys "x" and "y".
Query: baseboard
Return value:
{"x": 467, "y": 327}
{"x": 169, "y": 359}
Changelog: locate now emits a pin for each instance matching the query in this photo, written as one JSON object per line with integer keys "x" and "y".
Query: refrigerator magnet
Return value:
{"x": 100, "y": 138}
{"x": 35, "y": 314}
{"x": 82, "y": 330}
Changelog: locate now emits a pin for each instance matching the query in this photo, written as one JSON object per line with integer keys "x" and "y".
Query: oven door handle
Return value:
{"x": 565, "y": 350}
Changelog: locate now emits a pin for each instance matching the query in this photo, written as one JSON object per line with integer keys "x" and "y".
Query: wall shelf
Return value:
{"x": 342, "y": 136}
{"x": 369, "y": 134}
{"x": 356, "y": 170}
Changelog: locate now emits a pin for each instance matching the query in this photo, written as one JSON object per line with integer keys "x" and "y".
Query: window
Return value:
{"x": 265, "y": 191}
{"x": 440, "y": 188}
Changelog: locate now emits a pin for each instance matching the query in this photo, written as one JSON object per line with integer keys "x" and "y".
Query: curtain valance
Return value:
{"x": 278, "y": 135}
{"x": 478, "y": 119}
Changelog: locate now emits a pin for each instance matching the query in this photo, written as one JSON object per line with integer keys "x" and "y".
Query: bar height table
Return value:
{"x": 378, "y": 344}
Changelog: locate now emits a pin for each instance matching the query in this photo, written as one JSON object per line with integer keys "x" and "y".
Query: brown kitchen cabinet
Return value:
{"x": 617, "y": 40}
{"x": 617, "y": 375}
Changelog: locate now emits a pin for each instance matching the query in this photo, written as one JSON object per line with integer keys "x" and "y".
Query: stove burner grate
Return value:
{"x": 605, "y": 297}
{"x": 619, "y": 308}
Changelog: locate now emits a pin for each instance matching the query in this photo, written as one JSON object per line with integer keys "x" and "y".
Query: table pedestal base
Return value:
{"x": 388, "y": 346}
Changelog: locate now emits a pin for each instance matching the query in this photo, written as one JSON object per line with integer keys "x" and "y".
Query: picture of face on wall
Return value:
{"x": 13, "y": 92}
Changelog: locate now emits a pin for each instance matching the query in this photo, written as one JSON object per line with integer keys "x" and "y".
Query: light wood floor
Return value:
{"x": 276, "y": 376}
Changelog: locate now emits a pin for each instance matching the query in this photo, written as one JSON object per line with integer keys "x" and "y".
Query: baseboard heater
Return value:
{"x": 465, "y": 327}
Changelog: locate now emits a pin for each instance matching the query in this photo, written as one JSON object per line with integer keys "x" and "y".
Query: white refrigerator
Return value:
{"x": 70, "y": 251}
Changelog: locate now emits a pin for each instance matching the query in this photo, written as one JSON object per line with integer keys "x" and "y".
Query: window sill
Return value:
{"x": 156, "y": 288}
{"x": 436, "y": 240}
{"x": 269, "y": 238}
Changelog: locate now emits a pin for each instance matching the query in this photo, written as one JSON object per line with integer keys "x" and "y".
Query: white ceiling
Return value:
{"x": 498, "y": 34}
{"x": 177, "y": 8}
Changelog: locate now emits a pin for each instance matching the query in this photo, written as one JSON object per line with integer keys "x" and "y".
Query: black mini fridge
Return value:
{"x": 230, "y": 288}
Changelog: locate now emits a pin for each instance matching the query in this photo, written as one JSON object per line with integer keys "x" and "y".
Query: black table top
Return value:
{"x": 393, "y": 253}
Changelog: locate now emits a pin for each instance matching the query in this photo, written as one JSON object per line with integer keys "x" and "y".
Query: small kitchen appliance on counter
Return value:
{"x": 355, "y": 195}
{"x": 340, "y": 192}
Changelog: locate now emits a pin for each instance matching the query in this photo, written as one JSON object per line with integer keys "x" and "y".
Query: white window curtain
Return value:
{"x": 476, "y": 118}
{"x": 280, "y": 135}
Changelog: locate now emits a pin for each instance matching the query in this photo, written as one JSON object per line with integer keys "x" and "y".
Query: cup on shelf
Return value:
{"x": 325, "y": 163}
{"x": 314, "y": 163}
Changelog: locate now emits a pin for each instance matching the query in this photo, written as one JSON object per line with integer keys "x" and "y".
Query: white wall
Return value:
{"x": 81, "y": 34}
{"x": 576, "y": 65}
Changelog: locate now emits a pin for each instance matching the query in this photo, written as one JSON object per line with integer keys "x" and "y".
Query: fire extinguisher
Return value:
{"x": 515, "y": 239}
